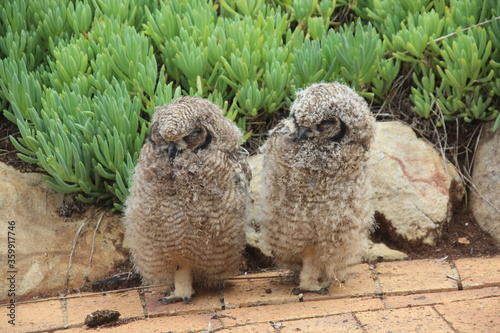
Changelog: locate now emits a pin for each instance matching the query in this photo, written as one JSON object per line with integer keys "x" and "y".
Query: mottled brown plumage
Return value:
{"x": 185, "y": 213}
{"x": 316, "y": 192}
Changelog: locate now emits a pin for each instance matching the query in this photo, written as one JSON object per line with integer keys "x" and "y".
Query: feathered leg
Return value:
{"x": 183, "y": 286}
{"x": 310, "y": 273}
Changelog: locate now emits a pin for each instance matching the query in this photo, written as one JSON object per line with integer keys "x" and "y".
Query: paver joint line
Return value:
{"x": 142, "y": 297}
{"x": 64, "y": 309}
{"x": 458, "y": 278}
{"x": 442, "y": 317}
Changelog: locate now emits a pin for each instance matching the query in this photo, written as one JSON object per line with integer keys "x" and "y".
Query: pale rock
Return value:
{"x": 415, "y": 188}
{"x": 485, "y": 197}
{"x": 43, "y": 241}
{"x": 252, "y": 228}
{"x": 381, "y": 252}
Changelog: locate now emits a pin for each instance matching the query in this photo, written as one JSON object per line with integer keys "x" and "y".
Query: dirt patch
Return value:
{"x": 461, "y": 237}
{"x": 8, "y": 153}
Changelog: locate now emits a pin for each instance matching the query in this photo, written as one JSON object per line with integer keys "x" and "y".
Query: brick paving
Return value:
{"x": 406, "y": 296}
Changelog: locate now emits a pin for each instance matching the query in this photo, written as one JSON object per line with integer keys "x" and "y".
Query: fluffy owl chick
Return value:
{"x": 185, "y": 213}
{"x": 316, "y": 193}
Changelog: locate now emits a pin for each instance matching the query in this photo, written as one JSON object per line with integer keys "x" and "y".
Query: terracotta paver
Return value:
{"x": 405, "y": 296}
{"x": 252, "y": 291}
{"x": 478, "y": 316}
{"x": 393, "y": 302}
{"x": 360, "y": 285}
{"x": 344, "y": 323}
{"x": 404, "y": 320}
{"x": 180, "y": 323}
{"x": 204, "y": 300}
{"x": 127, "y": 303}
{"x": 38, "y": 316}
{"x": 302, "y": 310}
{"x": 255, "y": 290}
{"x": 415, "y": 276}
{"x": 5, "y": 312}
{"x": 476, "y": 272}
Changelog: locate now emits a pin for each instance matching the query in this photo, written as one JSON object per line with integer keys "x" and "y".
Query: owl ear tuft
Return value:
{"x": 153, "y": 134}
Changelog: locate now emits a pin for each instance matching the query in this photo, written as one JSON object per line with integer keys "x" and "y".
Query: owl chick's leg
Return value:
{"x": 310, "y": 273}
{"x": 183, "y": 286}
{"x": 345, "y": 258}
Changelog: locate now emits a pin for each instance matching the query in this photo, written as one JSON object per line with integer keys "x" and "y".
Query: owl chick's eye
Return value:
{"x": 194, "y": 136}
{"x": 334, "y": 128}
{"x": 199, "y": 138}
{"x": 337, "y": 130}
{"x": 327, "y": 125}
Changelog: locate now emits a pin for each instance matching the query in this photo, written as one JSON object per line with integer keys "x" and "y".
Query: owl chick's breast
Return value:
{"x": 209, "y": 187}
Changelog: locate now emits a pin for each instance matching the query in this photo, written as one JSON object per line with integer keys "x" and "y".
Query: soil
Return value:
{"x": 461, "y": 237}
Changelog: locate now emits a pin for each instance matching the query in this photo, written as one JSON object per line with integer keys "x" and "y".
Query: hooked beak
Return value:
{"x": 302, "y": 133}
{"x": 171, "y": 150}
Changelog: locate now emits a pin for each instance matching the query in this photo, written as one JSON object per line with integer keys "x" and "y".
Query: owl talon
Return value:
{"x": 171, "y": 300}
{"x": 324, "y": 291}
{"x": 298, "y": 291}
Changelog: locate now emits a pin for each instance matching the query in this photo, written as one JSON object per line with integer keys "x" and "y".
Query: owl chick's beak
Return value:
{"x": 171, "y": 150}
{"x": 302, "y": 133}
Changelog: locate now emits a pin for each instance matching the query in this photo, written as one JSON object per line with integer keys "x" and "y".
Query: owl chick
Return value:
{"x": 316, "y": 193}
{"x": 185, "y": 213}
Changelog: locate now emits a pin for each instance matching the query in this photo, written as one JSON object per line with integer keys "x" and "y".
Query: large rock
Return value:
{"x": 252, "y": 229}
{"x": 414, "y": 187}
{"x": 485, "y": 198}
{"x": 51, "y": 253}
{"x": 381, "y": 252}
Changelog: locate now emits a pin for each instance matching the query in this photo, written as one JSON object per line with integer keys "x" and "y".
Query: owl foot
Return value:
{"x": 171, "y": 300}
{"x": 171, "y": 297}
{"x": 322, "y": 291}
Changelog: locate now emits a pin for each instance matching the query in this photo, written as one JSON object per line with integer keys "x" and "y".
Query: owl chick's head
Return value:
{"x": 331, "y": 112}
{"x": 191, "y": 124}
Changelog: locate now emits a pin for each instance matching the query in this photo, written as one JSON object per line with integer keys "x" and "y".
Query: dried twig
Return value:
{"x": 85, "y": 278}
{"x": 471, "y": 184}
{"x": 454, "y": 33}
{"x": 465, "y": 29}
{"x": 276, "y": 326}
{"x": 220, "y": 315}
{"x": 75, "y": 239}
{"x": 215, "y": 329}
